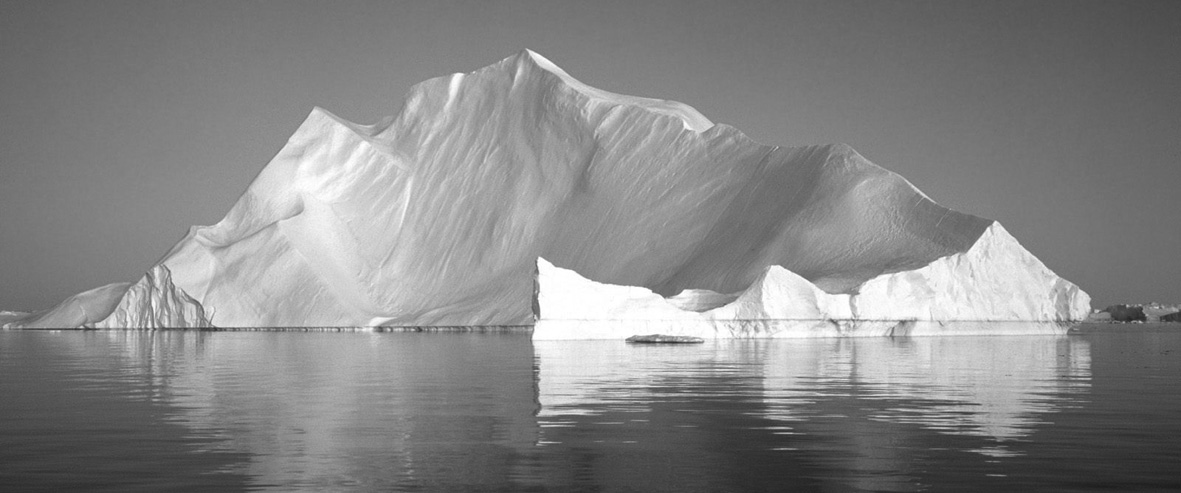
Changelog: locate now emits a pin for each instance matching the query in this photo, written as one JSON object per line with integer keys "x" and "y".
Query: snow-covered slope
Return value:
{"x": 79, "y": 310}
{"x": 994, "y": 287}
{"x": 437, "y": 215}
{"x": 153, "y": 302}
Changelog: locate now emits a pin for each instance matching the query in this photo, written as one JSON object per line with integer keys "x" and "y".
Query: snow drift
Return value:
{"x": 437, "y": 216}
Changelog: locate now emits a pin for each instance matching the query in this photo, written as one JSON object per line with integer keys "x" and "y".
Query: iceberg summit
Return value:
{"x": 517, "y": 194}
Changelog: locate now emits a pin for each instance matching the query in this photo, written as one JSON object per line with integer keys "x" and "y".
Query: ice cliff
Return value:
{"x": 437, "y": 216}
{"x": 994, "y": 287}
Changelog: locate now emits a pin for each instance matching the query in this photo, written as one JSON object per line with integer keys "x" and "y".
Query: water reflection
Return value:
{"x": 330, "y": 410}
{"x": 856, "y": 411}
{"x": 498, "y": 412}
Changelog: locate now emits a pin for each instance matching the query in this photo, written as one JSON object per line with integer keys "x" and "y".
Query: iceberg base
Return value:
{"x": 786, "y": 329}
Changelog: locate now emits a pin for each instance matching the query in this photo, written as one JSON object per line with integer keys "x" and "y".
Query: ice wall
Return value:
{"x": 994, "y": 287}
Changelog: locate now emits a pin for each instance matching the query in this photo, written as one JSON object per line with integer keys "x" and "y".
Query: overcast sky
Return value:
{"x": 122, "y": 123}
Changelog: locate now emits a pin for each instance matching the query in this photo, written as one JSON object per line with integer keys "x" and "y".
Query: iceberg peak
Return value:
{"x": 689, "y": 116}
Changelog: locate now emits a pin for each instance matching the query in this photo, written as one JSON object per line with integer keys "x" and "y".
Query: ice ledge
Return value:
{"x": 153, "y": 302}
{"x": 996, "y": 287}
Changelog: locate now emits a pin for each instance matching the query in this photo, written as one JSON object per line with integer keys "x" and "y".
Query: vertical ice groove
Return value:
{"x": 452, "y": 92}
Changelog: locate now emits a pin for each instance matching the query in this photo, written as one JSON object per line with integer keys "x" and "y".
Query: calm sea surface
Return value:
{"x": 226, "y": 411}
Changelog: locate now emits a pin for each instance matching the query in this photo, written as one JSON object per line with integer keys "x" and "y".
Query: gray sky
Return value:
{"x": 122, "y": 123}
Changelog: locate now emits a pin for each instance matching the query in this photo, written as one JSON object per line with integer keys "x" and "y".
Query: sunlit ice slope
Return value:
{"x": 995, "y": 287}
{"x": 152, "y": 302}
{"x": 436, "y": 216}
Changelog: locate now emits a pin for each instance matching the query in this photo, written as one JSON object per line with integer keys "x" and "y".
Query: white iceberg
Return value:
{"x": 436, "y": 216}
{"x": 996, "y": 287}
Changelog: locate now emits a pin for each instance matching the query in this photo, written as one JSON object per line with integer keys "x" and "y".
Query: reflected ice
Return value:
{"x": 987, "y": 386}
{"x": 494, "y": 411}
{"x": 356, "y": 409}
{"x": 867, "y": 406}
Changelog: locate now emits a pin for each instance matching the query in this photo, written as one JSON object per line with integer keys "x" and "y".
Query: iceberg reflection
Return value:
{"x": 500, "y": 412}
{"x": 864, "y": 410}
{"x": 987, "y": 386}
{"x": 353, "y": 409}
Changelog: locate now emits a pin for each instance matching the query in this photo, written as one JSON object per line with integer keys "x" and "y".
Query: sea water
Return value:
{"x": 1098, "y": 409}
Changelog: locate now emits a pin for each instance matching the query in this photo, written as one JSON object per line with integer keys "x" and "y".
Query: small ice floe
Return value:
{"x": 664, "y": 339}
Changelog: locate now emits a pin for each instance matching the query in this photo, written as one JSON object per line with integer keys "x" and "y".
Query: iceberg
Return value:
{"x": 995, "y": 287}
{"x": 437, "y": 215}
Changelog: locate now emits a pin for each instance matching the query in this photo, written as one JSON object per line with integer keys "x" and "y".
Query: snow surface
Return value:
{"x": 436, "y": 216}
{"x": 79, "y": 310}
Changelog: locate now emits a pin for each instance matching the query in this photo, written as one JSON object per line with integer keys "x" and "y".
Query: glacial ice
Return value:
{"x": 994, "y": 287}
{"x": 437, "y": 216}
{"x": 151, "y": 303}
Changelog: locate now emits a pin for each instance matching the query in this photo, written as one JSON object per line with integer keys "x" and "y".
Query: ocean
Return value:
{"x": 1097, "y": 409}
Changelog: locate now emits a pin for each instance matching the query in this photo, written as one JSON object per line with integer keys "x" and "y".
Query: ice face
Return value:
{"x": 436, "y": 216}
{"x": 994, "y": 287}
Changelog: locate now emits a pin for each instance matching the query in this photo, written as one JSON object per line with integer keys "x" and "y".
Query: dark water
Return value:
{"x": 225, "y": 411}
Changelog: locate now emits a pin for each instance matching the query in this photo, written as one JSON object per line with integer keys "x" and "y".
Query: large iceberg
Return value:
{"x": 437, "y": 216}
